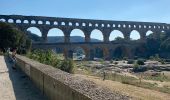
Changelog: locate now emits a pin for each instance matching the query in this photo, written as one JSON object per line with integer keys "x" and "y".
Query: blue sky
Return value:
{"x": 123, "y": 10}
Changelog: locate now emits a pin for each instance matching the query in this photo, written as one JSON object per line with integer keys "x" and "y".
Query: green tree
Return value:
{"x": 165, "y": 45}
{"x": 10, "y": 36}
{"x": 33, "y": 36}
{"x": 119, "y": 39}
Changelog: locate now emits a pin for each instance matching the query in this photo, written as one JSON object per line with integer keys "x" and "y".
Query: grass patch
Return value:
{"x": 159, "y": 77}
{"x": 1, "y": 53}
{"x": 134, "y": 81}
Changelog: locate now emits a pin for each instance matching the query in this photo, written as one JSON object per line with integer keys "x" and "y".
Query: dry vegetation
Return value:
{"x": 147, "y": 85}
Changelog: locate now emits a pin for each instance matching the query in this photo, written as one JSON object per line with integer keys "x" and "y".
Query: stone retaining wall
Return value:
{"x": 59, "y": 85}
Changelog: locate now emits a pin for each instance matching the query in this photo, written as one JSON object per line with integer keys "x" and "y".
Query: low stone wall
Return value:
{"x": 59, "y": 85}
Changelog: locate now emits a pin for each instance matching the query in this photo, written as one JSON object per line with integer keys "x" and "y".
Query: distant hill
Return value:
{"x": 55, "y": 39}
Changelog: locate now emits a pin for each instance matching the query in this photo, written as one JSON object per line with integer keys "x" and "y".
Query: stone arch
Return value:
{"x": 83, "y": 24}
{"x": 102, "y": 25}
{"x": 108, "y": 25}
{"x": 40, "y": 22}
{"x": 139, "y": 51}
{"x": 77, "y": 24}
{"x": 113, "y": 25}
{"x": 149, "y": 32}
{"x": 55, "y": 35}
{"x": 10, "y": 21}
{"x": 47, "y": 23}
{"x": 18, "y": 21}
{"x": 35, "y": 31}
{"x": 96, "y": 25}
{"x": 55, "y": 23}
{"x": 90, "y": 24}
{"x": 114, "y": 34}
{"x": 96, "y": 35}
{"x": 79, "y": 53}
{"x": 33, "y": 22}
{"x": 135, "y": 35}
{"x": 2, "y": 20}
{"x": 75, "y": 52}
{"x": 98, "y": 52}
{"x": 70, "y": 24}
{"x": 77, "y": 35}
{"x": 120, "y": 52}
{"x": 63, "y": 23}
{"x": 26, "y": 22}
{"x": 162, "y": 33}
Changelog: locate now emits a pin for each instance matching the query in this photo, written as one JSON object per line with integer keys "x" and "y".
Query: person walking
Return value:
{"x": 14, "y": 52}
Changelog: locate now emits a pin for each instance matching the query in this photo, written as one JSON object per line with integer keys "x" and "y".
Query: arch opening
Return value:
{"x": 35, "y": 33}
{"x": 55, "y": 35}
{"x": 33, "y": 22}
{"x": 47, "y": 22}
{"x": 70, "y": 24}
{"x": 98, "y": 53}
{"x": 148, "y": 33}
{"x": 77, "y": 35}
{"x": 10, "y": 21}
{"x": 26, "y": 21}
{"x": 134, "y": 35}
{"x": 77, "y": 24}
{"x": 55, "y": 23}
{"x": 83, "y": 24}
{"x": 96, "y": 36}
{"x": 163, "y": 34}
{"x": 2, "y": 20}
{"x": 63, "y": 23}
{"x": 116, "y": 35}
{"x": 119, "y": 52}
{"x": 18, "y": 21}
{"x": 40, "y": 22}
{"x": 79, "y": 53}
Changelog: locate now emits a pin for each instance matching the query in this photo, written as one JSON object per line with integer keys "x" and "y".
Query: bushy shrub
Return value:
{"x": 140, "y": 62}
{"x": 138, "y": 68}
{"x": 51, "y": 58}
{"x": 167, "y": 60}
{"x": 130, "y": 61}
{"x": 68, "y": 66}
{"x": 162, "y": 61}
{"x": 111, "y": 61}
{"x": 117, "y": 59}
{"x": 125, "y": 58}
{"x": 116, "y": 63}
{"x": 1, "y": 53}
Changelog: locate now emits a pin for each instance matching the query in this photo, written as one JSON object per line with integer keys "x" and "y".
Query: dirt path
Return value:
{"x": 133, "y": 91}
{"x": 14, "y": 85}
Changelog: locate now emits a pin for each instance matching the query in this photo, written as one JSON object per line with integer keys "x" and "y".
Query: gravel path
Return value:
{"x": 14, "y": 85}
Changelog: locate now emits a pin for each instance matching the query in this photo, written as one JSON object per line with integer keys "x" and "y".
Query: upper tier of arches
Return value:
{"x": 39, "y": 20}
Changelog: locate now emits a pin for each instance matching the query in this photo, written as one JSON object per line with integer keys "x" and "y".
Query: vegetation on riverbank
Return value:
{"x": 51, "y": 58}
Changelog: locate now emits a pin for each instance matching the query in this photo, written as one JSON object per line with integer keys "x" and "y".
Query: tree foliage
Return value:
{"x": 33, "y": 37}
{"x": 159, "y": 44}
{"x": 12, "y": 37}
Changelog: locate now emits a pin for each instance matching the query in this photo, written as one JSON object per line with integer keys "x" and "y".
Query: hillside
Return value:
{"x": 55, "y": 39}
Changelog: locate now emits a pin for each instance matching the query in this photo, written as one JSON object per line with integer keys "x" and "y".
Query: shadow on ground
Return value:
{"x": 23, "y": 87}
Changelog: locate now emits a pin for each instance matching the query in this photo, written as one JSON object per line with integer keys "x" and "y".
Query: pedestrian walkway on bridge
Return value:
{"x": 15, "y": 85}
